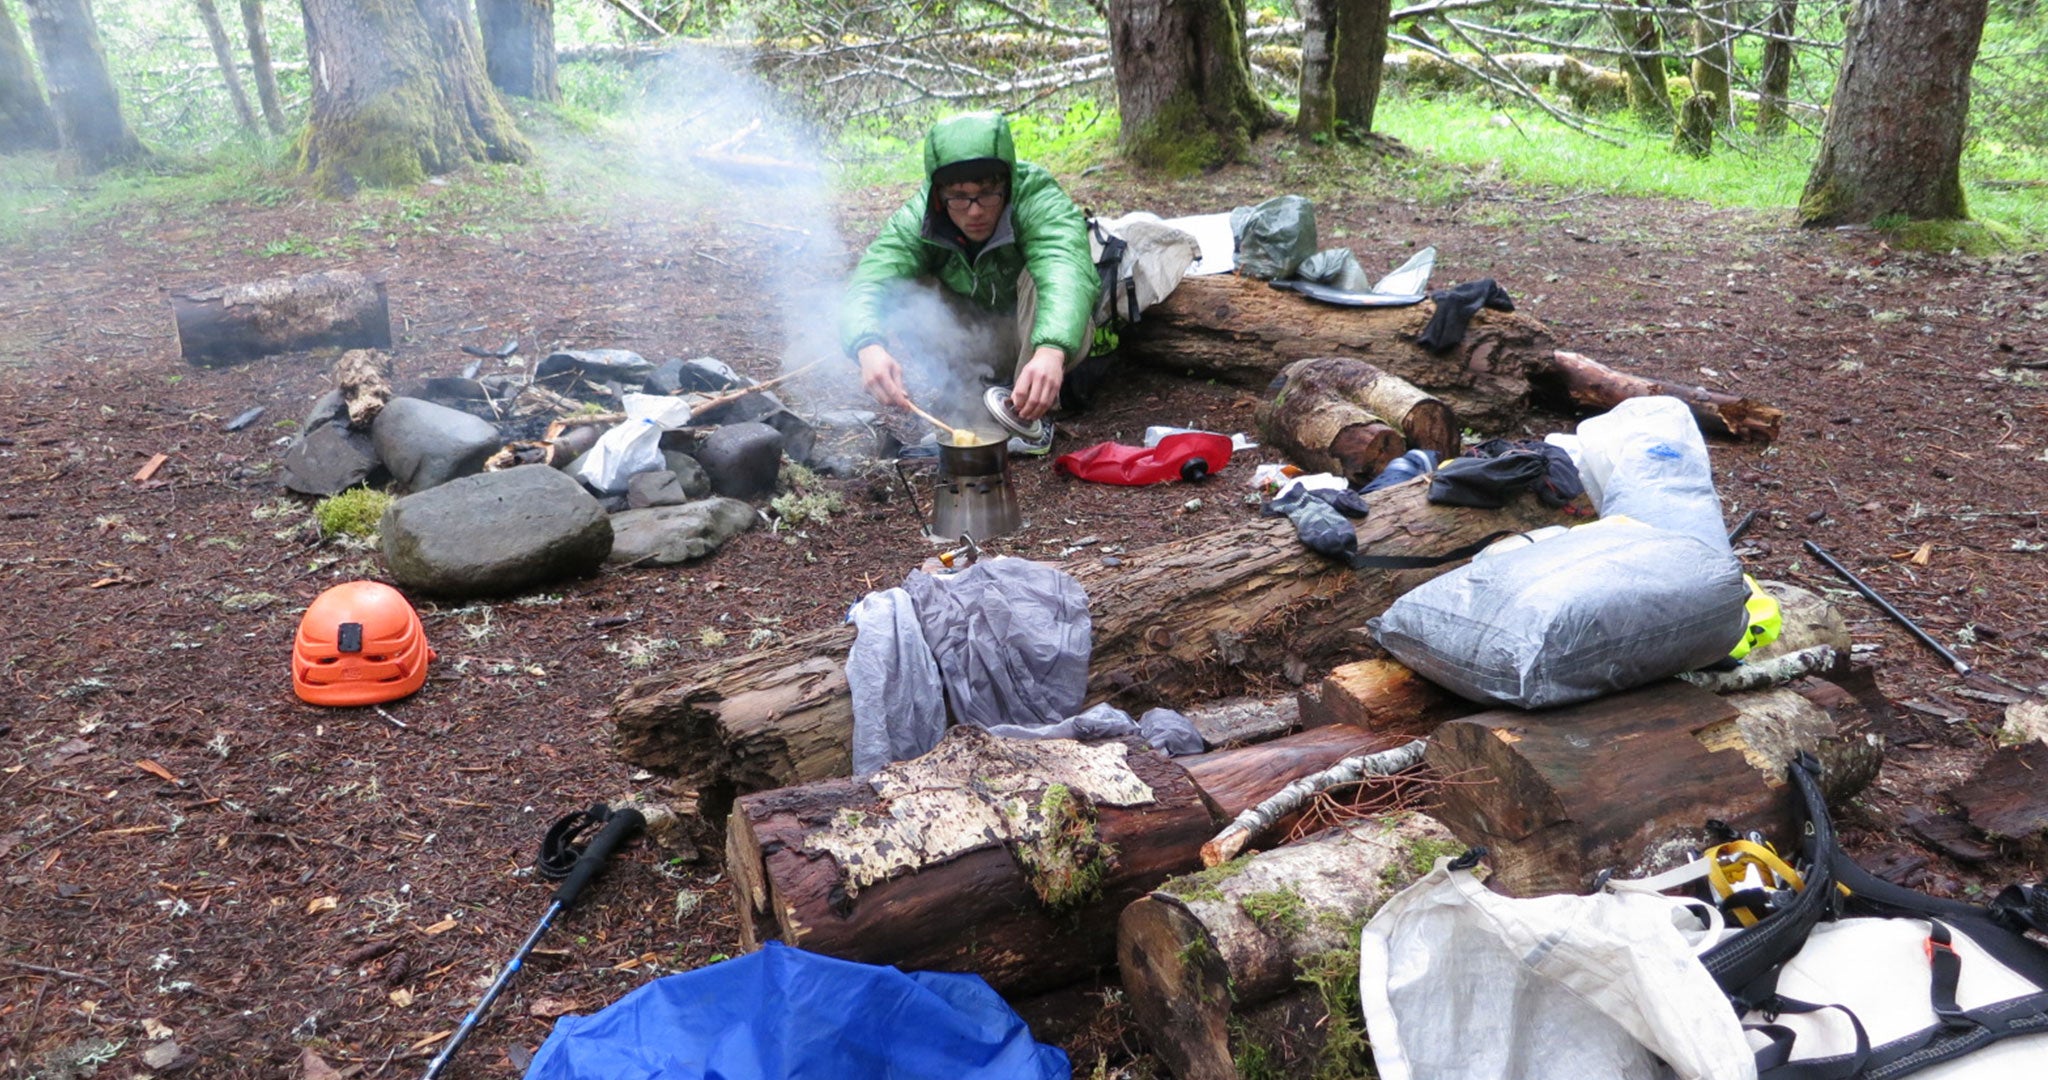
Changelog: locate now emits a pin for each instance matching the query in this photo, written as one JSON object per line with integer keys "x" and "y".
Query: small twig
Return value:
{"x": 59, "y": 838}
{"x": 94, "y": 979}
{"x": 707, "y": 404}
{"x": 394, "y": 721}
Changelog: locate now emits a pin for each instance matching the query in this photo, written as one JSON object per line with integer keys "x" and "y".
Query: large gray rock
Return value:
{"x": 696, "y": 483}
{"x": 665, "y": 535}
{"x": 329, "y": 460}
{"x": 742, "y": 459}
{"x": 658, "y": 488}
{"x": 495, "y": 533}
{"x": 426, "y": 445}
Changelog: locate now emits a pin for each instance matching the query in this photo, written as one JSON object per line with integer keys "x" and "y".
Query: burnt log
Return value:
{"x": 242, "y": 322}
{"x": 1244, "y": 331}
{"x": 1626, "y": 783}
{"x": 1205, "y": 958}
{"x": 1170, "y": 624}
{"x": 1575, "y": 384}
{"x": 1345, "y": 416}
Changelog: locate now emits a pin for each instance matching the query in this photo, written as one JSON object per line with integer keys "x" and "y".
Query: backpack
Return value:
{"x": 1966, "y": 946}
{"x": 1139, "y": 259}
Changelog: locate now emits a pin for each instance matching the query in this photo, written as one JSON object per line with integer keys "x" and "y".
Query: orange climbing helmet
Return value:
{"x": 359, "y": 643}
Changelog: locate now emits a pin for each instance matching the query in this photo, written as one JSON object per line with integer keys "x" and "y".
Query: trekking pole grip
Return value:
{"x": 623, "y": 824}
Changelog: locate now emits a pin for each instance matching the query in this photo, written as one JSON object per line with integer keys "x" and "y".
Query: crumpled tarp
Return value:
{"x": 899, "y": 705}
{"x": 1162, "y": 729}
{"x": 1011, "y": 638}
{"x": 787, "y": 1013}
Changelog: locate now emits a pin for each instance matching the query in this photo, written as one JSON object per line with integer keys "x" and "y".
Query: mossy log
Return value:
{"x": 1627, "y": 783}
{"x": 1170, "y": 624}
{"x": 1345, "y": 416}
{"x": 241, "y": 322}
{"x": 1008, "y": 858}
{"x": 1244, "y": 331}
{"x": 1203, "y": 955}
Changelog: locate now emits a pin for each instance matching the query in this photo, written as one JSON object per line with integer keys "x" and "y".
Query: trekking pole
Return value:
{"x": 618, "y": 825}
{"x": 1899, "y": 617}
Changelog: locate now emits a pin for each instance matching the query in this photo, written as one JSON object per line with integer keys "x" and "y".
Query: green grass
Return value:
{"x": 1768, "y": 175}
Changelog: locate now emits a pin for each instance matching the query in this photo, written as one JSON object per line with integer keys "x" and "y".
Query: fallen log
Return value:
{"x": 1381, "y": 696}
{"x": 1244, "y": 331}
{"x": 1627, "y": 782}
{"x": 1339, "y": 415}
{"x": 957, "y": 860}
{"x": 241, "y": 322}
{"x": 1008, "y": 858}
{"x": 1170, "y": 624}
{"x": 1205, "y": 958}
{"x": 1571, "y": 383}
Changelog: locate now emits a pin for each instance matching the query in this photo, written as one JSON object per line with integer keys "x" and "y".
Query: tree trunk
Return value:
{"x": 26, "y": 122}
{"x": 1628, "y": 781}
{"x": 259, "y": 61}
{"x": 519, "y": 47}
{"x": 1183, "y": 89}
{"x": 1712, "y": 61}
{"x": 1246, "y": 332}
{"x": 399, "y": 94}
{"x": 1008, "y": 858}
{"x": 1776, "y": 74}
{"x": 1169, "y": 624}
{"x": 224, "y": 55}
{"x": 1649, "y": 96}
{"x": 1893, "y": 143}
{"x": 1201, "y": 951}
{"x": 334, "y": 307}
{"x": 1317, "y": 116}
{"x": 1361, "y": 61}
{"x": 1321, "y": 398}
{"x": 82, "y": 93}
{"x": 1572, "y": 383}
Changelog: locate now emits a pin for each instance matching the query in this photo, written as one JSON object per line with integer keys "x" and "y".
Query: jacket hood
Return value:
{"x": 974, "y": 136}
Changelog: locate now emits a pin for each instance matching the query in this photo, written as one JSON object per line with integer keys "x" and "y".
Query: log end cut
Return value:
{"x": 1175, "y": 981}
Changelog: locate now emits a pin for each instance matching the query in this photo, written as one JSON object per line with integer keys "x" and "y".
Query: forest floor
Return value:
{"x": 189, "y": 854}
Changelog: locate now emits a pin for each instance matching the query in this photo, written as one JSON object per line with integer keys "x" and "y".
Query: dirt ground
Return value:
{"x": 185, "y": 847}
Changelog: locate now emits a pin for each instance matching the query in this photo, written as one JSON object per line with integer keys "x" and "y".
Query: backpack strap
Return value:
{"x": 1743, "y": 963}
{"x": 1424, "y": 562}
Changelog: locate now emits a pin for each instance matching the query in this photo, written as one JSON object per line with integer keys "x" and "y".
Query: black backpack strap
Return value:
{"x": 1945, "y": 970}
{"x": 1424, "y": 562}
{"x": 1773, "y": 1062}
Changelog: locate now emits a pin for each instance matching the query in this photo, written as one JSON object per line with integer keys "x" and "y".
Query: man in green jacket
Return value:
{"x": 1006, "y": 254}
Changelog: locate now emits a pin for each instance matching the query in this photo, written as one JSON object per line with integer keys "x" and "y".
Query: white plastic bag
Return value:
{"x": 1645, "y": 459}
{"x": 666, "y": 410}
{"x": 627, "y": 449}
{"x": 1459, "y": 982}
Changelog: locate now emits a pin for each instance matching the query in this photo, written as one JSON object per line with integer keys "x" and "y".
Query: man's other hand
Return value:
{"x": 1038, "y": 383}
{"x": 882, "y": 377}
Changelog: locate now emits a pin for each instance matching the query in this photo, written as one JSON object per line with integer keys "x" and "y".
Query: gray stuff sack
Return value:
{"x": 1600, "y": 609}
{"x": 1274, "y": 237}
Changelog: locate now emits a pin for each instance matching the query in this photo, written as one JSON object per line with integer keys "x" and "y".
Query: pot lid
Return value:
{"x": 996, "y": 399}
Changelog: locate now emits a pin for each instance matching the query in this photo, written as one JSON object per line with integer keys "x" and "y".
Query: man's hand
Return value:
{"x": 1038, "y": 383}
{"x": 882, "y": 377}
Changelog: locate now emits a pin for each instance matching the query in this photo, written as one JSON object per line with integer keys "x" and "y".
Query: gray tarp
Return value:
{"x": 1011, "y": 638}
{"x": 899, "y": 710}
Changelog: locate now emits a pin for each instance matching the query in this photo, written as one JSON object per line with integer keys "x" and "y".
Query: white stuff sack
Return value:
{"x": 626, "y": 450}
{"x": 1603, "y": 608}
{"x": 1645, "y": 459}
{"x": 1458, "y": 982}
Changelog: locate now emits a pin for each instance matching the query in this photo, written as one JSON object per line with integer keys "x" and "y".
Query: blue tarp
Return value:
{"x": 787, "y": 1013}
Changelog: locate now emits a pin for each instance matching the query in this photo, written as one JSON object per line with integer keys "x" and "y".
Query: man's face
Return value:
{"x": 974, "y": 207}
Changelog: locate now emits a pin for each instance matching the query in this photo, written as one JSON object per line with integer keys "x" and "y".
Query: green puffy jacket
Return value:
{"x": 1040, "y": 228}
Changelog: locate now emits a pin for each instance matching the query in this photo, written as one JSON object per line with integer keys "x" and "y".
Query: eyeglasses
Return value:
{"x": 958, "y": 203}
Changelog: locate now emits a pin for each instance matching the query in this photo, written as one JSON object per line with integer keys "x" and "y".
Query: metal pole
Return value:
{"x": 1884, "y": 605}
{"x": 621, "y": 825}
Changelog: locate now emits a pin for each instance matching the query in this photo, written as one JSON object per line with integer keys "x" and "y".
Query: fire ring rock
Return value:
{"x": 495, "y": 533}
{"x": 742, "y": 459}
{"x": 666, "y": 535}
{"x": 426, "y": 445}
